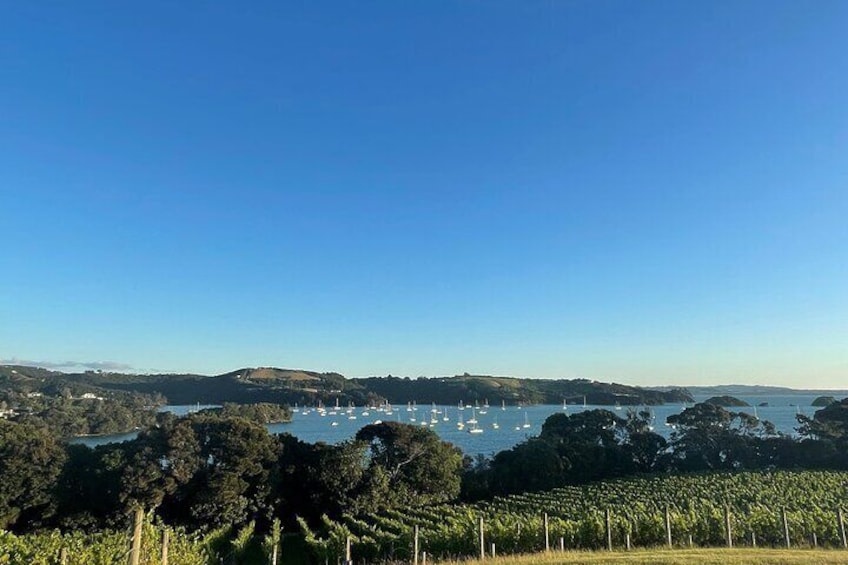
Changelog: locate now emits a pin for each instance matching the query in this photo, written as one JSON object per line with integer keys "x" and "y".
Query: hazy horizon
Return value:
{"x": 113, "y": 367}
{"x": 644, "y": 193}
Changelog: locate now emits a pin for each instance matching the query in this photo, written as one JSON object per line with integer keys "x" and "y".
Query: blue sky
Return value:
{"x": 645, "y": 192}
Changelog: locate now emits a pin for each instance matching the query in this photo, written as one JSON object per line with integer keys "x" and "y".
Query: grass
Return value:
{"x": 707, "y": 556}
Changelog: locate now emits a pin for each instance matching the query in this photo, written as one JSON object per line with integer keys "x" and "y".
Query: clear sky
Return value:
{"x": 646, "y": 192}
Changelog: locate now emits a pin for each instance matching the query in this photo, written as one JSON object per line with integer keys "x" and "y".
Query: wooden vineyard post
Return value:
{"x": 815, "y": 540}
{"x": 562, "y": 544}
{"x": 135, "y": 550}
{"x": 727, "y": 527}
{"x": 165, "y": 539}
{"x": 841, "y": 528}
{"x": 494, "y": 554}
{"x": 609, "y": 529}
{"x": 415, "y": 544}
{"x": 348, "y": 559}
{"x": 482, "y": 541}
{"x": 63, "y": 556}
{"x": 785, "y": 528}
{"x": 547, "y": 538}
{"x": 627, "y": 541}
{"x": 668, "y": 526}
{"x": 753, "y": 539}
{"x": 691, "y": 541}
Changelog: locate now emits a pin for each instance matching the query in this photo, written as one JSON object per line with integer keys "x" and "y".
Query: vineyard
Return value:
{"x": 157, "y": 545}
{"x": 765, "y": 509}
{"x": 778, "y": 510}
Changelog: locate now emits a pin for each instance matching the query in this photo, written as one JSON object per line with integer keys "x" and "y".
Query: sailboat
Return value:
{"x": 564, "y": 407}
{"x": 473, "y": 419}
{"x": 445, "y": 415}
{"x": 503, "y": 404}
{"x": 495, "y": 425}
{"x": 459, "y": 423}
{"x": 584, "y": 401}
{"x": 526, "y": 421}
{"x": 474, "y": 429}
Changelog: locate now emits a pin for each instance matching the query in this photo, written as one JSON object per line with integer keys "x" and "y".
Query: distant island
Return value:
{"x": 750, "y": 390}
{"x": 293, "y": 387}
{"x": 824, "y": 401}
{"x": 726, "y": 401}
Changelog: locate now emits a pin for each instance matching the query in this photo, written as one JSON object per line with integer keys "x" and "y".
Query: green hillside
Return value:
{"x": 295, "y": 386}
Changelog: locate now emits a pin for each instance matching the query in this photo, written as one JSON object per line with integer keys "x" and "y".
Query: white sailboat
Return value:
{"x": 495, "y": 425}
{"x": 526, "y": 421}
{"x": 473, "y": 418}
{"x": 474, "y": 429}
{"x": 459, "y": 423}
{"x": 503, "y": 404}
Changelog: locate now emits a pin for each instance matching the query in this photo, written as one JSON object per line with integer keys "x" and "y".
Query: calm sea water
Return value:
{"x": 502, "y": 428}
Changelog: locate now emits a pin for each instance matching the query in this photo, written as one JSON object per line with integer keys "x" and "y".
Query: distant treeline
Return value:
{"x": 284, "y": 386}
{"x": 495, "y": 390}
{"x": 261, "y": 413}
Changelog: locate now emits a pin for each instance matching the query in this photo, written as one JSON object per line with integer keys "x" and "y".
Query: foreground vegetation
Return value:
{"x": 698, "y": 507}
{"x": 672, "y": 557}
{"x": 113, "y": 547}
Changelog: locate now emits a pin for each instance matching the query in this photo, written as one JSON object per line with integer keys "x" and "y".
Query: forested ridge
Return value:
{"x": 288, "y": 386}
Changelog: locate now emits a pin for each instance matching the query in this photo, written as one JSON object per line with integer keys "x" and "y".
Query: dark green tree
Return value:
{"x": 533, "y": 465}
{"x": 709, "y": 437}
{"x": 30, "y": 464}
{"x": 417, "y": 466}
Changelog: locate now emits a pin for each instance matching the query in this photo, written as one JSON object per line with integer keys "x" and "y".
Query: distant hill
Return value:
{"x": 737, "y": 389}
{"x": 470, "y": 388}
{"x": 290, "y": 386}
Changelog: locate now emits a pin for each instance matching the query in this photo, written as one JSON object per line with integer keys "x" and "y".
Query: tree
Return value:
{"x": 529, "y": 466}
{"x": 30, "y": 464}
{"x": 417, "y": 466}
{"x": 232, "y": 486}
{"x": 708, "y": 437}
{"x": 648, "y": 450}
{"x": 316, "y": 479}
{"x": 829, "y": 423}
{"x": 589, "y": 444}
